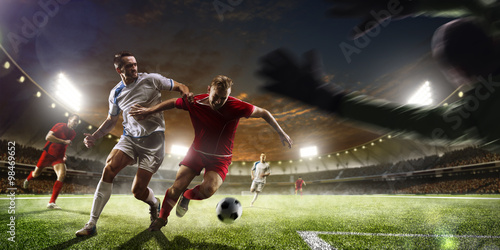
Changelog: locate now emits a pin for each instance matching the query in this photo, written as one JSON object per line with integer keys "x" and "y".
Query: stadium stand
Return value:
{"x": 464, "y": 171}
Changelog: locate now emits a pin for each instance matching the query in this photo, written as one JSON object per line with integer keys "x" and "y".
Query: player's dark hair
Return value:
{"x": 118, "y": 58}
{"x": 222, "y": 82}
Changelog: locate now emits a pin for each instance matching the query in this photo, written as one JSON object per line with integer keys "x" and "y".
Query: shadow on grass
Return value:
{"x": 69, "y": 243}
{"x": 56, "y": 211}
{"x": 179, "y": 242}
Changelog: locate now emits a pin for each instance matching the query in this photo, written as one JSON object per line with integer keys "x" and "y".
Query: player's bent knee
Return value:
{"x": 208, "y": 191}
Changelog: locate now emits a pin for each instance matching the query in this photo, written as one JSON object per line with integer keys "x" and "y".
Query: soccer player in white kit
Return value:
{"x": 142, "y": 141}
{"x": 260, "y": 171}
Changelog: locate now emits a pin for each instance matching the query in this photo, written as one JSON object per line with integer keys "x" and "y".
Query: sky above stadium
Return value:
{"x": 192, "y": 41}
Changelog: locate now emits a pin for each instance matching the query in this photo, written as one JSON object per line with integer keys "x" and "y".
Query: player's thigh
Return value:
{"x": 60, "y": 169}
{"x": 117, "y": 160}
{"x": 252, "y": 187}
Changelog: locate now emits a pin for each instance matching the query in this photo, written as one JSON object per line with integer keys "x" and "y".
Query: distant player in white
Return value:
{"x": 142, "y": 141}
{"x": 260, "y": 171}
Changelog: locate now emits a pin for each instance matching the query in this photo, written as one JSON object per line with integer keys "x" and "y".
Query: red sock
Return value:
{"x": 55, "y": 191}
{"x": 30, "y": 176}
{"x": 194, "y": 193}
{"x": 166, "y": 206}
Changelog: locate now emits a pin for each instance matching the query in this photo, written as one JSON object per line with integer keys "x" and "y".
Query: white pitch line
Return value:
{"x": 43, "y": 198}
{"x": 436, "y": 197}
{"x": 315, "y": 242}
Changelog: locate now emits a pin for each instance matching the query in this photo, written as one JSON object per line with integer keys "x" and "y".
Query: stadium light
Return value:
{"x": 423, "y": 96}
{"x": 178, "y": 150}
{"x": 67, "y": 93}
{"x": 308, "y": 151}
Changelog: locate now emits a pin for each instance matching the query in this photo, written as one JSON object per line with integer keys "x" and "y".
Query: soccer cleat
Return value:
{"x": 182, "y": 206}
{"x": 157, "y": 224}
{"x": 25, "y": 184}
{"x": 155, "y": 210}
{"x": 88, "y": 230}
{"x": 53, "y": 206}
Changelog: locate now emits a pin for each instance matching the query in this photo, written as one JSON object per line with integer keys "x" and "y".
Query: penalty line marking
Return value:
{"x": 315, "y": 242}
{"x": 44, "y": 198}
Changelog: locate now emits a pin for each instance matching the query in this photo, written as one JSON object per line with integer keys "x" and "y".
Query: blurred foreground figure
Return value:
{"x": 467, "y": 51}
{"x": 54, "y": 155}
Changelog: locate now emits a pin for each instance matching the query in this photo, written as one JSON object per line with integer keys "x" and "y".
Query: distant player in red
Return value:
{"x": 215, "y": 117}
{"x": 298, "y": 185}
{"x": 54, "y": 154}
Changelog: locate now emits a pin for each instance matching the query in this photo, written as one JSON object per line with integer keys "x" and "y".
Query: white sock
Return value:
{"x": 151, "y": 197}
{"x": 101, "y": 197}
{"x": 255, "y": 197}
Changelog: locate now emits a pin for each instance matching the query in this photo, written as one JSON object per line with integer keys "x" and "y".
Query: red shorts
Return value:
{"x": 197, "y": 161}
{"x": 47, "y": 160}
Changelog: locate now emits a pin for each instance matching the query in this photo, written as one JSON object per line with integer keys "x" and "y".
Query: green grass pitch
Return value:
{"x": 275, "y": 222}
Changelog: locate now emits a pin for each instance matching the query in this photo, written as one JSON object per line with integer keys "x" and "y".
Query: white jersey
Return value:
{"x": 145, "y": 91}
{"x": 260, "y": 168}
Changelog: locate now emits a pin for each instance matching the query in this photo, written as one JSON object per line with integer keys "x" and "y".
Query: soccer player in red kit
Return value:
{"x": 298, "y": 185}
{"x": 215, "y": 117}
{"x": 54, "y": 154}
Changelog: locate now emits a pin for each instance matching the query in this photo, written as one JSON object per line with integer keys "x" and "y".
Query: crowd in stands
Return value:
{"x": 30, "y": 155}
{"x": 43, "y": 186}
{"x": 466, "y": 156}
{"x": 470, "y": 186}
{"x": 23, "y": 154}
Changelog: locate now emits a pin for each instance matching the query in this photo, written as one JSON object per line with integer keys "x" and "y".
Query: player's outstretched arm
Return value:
{"x": 301, "y": 80}
{"x": 52, "y": 138}
{"x": 140, "y": 113}
{"x": 266, "y": 115}
{"x": 103, "y": 130}
{"x": 184, "y": 90}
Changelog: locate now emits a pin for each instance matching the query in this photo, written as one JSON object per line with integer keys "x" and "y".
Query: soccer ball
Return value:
{"x": 228, "y": 210}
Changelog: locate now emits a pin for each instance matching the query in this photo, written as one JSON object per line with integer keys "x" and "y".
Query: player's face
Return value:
{"x": 73, "y": 122}
{"x": 262, "y": 157}
{"x": 218, "y": 97}
{"x": 129, "y": 67}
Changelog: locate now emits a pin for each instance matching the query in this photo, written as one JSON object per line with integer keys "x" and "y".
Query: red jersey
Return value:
{"x": 215, "y": 129}
{"x": 61, "y": 131}
{"x": 299, "y": 183}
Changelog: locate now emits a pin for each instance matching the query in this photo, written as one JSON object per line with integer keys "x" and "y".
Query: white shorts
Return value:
{"x": 147, "y": 151}
{"x": 257, "y": 186}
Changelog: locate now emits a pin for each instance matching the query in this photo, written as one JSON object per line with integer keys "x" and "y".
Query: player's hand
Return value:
{"x": 188, "y": 97}
{"x": 303, "y": 81}
{"x": 139, "y": 112}
{"x": 89, "y": 140}
{"x": 67, "y": 142}
{"x": 286, "y": 139}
